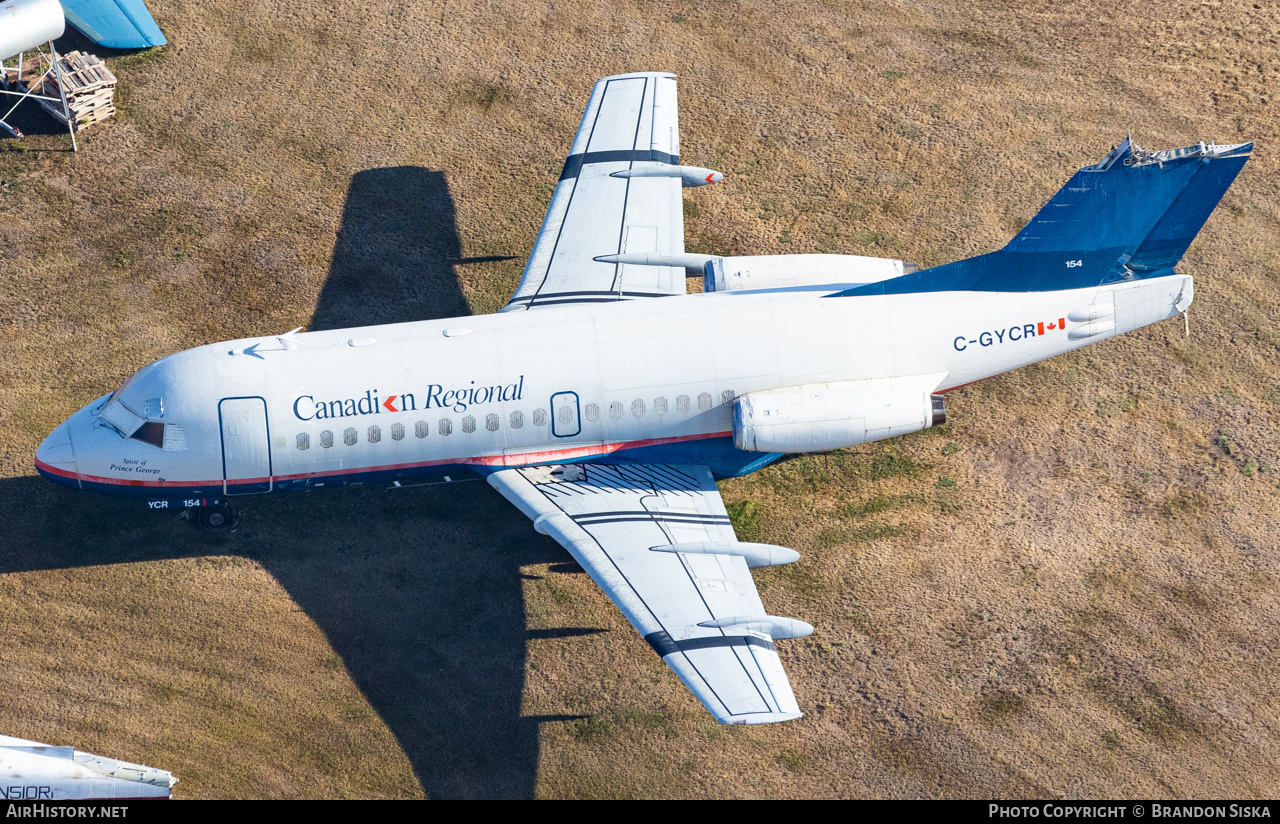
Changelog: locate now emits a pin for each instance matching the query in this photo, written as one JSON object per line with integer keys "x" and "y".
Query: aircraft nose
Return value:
{"x": 55, "y": 457}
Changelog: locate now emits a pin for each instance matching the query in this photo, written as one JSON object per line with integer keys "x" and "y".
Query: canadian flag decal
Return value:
{"x": 1061, "y": 324}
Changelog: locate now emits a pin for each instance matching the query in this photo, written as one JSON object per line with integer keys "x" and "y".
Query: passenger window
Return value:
{"x": 517, "y": 419}
{"x": 349, "y": 436}
{"x": 397, "y": 432}
{"x": 375, "y": 433}
{"x": 326, "y": 439}
{"x": 469, "y": 424}
{"x": 704, "y": 401}
{"x": 446, "y": 426}
{"x": 539, "y": 417}
{"x": 637, "y": 407}
{"x": 682, "y": 404}
{"x": 421, "y": 429}
{"x": 659, "y": 406}
{"x": 726, "y": 396}
{"x": 615, "y": 409}
{"x": 491, "y": 422}
{"x": 592, "y": 412}
{"x": 304, "y": 440}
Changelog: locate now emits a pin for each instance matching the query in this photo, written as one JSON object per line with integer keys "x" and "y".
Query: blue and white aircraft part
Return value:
{"x": 603, "y": 401}
{"x": 116, "y": 24}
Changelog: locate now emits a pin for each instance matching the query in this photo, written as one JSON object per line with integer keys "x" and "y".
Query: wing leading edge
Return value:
{"x": 630, "y": 125}
{"x": 657, "y": 540}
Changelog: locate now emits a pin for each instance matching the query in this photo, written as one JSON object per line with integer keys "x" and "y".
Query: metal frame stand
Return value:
{"x": 55, "y": 66}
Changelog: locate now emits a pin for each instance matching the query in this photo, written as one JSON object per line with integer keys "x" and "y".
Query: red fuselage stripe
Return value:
{"x": 516, "y": 459}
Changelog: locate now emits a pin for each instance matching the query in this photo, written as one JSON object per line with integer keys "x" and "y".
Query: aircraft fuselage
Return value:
{"x": 637, "y": 381}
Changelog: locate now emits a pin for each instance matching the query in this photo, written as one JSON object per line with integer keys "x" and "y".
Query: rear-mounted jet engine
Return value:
{"x": 822, "y": 416}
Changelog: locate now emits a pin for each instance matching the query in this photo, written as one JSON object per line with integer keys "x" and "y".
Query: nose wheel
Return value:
{"x": 219, "y": 516}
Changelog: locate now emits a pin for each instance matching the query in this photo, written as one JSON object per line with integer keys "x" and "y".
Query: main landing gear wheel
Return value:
{"x": 219, "y": 517}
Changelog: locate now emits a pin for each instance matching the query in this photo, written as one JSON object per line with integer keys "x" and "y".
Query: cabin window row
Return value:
{"x": 422, "y": 428}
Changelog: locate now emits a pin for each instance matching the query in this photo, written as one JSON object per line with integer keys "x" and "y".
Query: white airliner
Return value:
{"x": 604, "y": 401}
{"x": 31, "y": 771}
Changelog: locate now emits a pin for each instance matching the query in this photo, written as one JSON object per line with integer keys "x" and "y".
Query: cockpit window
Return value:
{"x": 132, "y": 378}
{"x": 126, "y": 418}
{"x": 120, "y": 418}
{"x": 150, "y": 432}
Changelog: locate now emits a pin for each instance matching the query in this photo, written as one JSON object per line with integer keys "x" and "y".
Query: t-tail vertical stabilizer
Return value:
{"x": 1131, "y": 216}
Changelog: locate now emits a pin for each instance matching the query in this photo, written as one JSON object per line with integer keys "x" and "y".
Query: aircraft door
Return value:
{"x": 246, "y": 446}
{"x": 566, "y": 420}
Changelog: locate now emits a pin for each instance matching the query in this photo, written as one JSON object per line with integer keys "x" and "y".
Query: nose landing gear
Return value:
{"x": 219, "y": 516}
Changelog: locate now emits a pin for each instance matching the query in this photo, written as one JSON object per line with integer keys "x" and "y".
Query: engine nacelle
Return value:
{"x": 823, "y": 416}
{"x": 734, "y": 274}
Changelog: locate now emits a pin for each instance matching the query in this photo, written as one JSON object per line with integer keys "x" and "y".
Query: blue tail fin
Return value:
{"x": 1133, "y": 215}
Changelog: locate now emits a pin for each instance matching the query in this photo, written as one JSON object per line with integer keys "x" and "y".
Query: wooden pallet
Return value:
{"x": 90, "y": 88}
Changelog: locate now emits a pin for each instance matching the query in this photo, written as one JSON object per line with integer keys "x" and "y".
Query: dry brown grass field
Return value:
{"x": 1070, "y": 590}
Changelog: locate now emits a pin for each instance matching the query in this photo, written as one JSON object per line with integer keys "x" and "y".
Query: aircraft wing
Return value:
{"x": 630, "y": 124}
{"x": 657, "y": 540}
{"x": 116, "y": 24}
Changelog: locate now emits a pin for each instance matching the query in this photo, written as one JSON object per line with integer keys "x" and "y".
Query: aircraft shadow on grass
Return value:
{"x": 419, "y": 590}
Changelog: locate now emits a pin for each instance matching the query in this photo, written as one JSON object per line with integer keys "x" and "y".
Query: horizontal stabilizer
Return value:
{"x": 1168, "y": 240}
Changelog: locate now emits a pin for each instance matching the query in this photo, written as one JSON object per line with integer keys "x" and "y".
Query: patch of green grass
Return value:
{"x": 988, "y": 43}
{"x": 1249, "y": 469}
{"x": 486, "y": 96}
{"x": 883, "y": 240}
{"x": 747, "y": 519}
{"x": 1001, "y": 706}
{"x": 796, "y": 761}
{"x": 648, "y": 720}
{"x": 1111, "y": 405}
{"x": 945, "y": 482}
{"x": 1189, "y": 353}
{"x": 875, "y": 505}
{"x": 951, "y": 449}
{"x": 1152, "y": 711}
{"x": 894, "y": 465}
{"x": 1184, "y": 503}
{"x": 1111, "y": 741}
{"x": 166, "y": 692}
{"x": 947, "y": 505}
{"x": 692, "y": 209}
{"x": 590, "y": 729}
{"x": 140, "y": 58}
{"x": 859, "y": 535}
{"x": 892, "y": 74}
